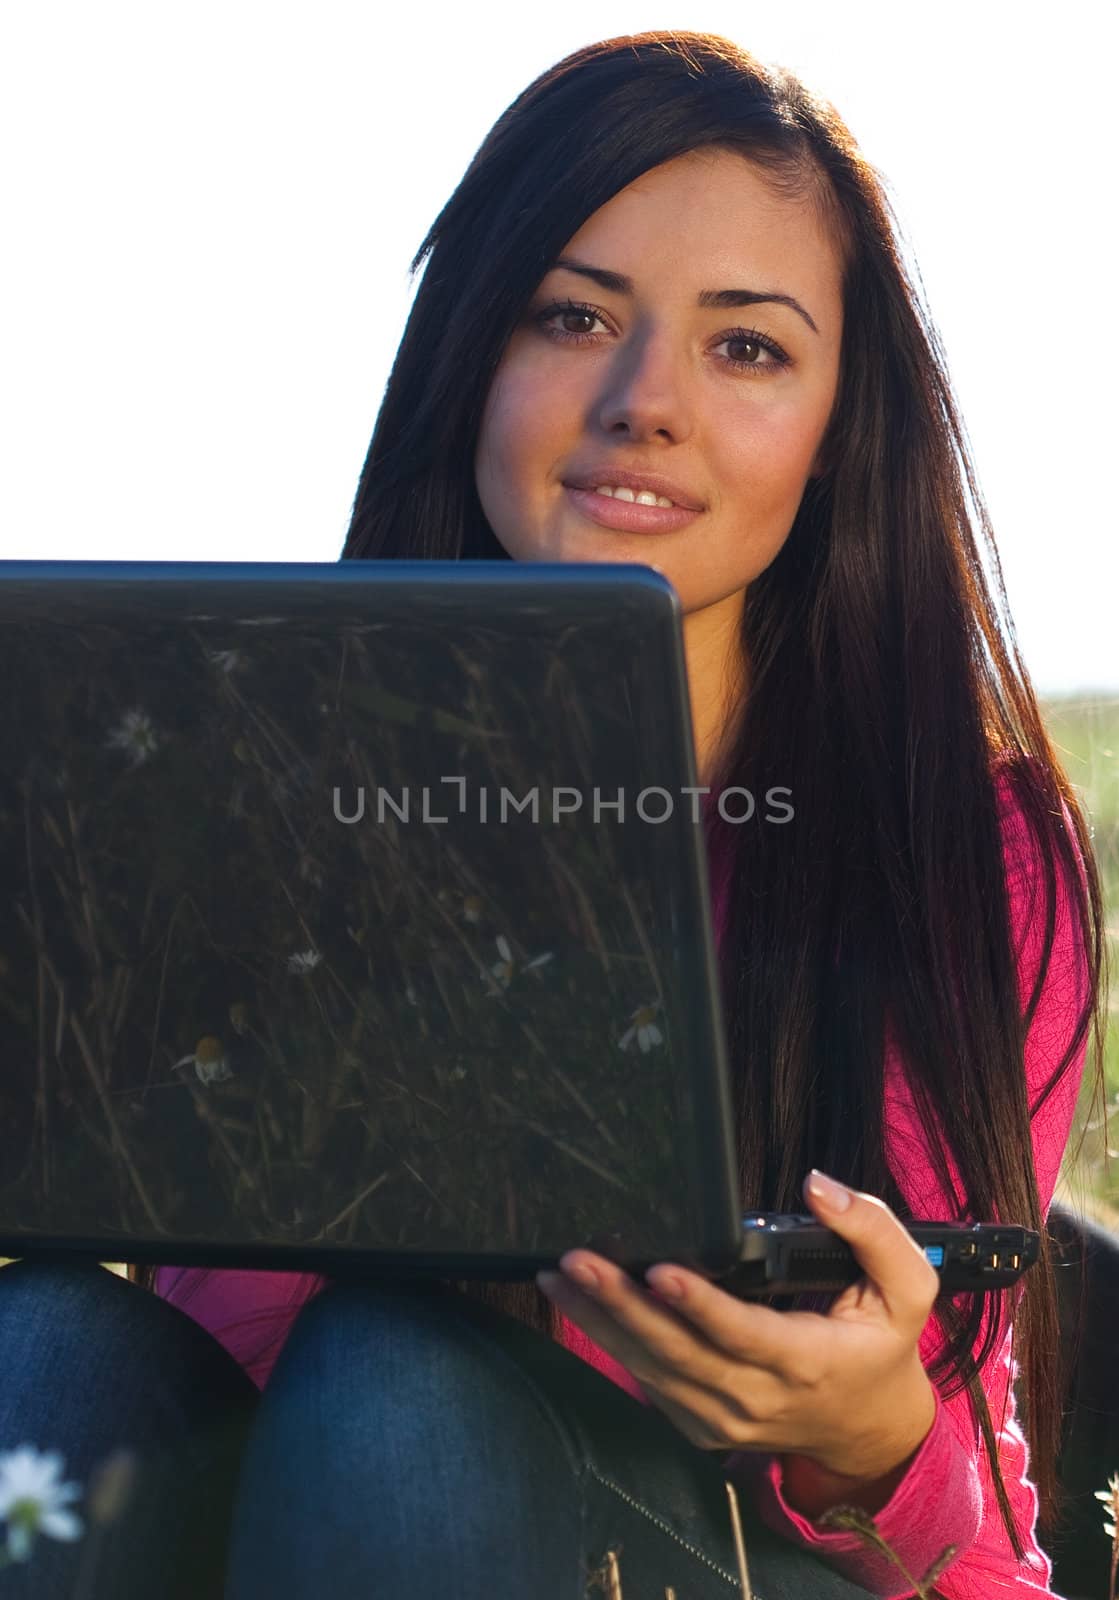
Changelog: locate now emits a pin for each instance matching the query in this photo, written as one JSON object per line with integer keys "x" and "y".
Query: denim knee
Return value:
{"x": 30, "y": 1284}
{"x": 94, "y": 1365}
{"x": 77, "y": 1325}
{"x": 419, "y": 1455}
{"x": 416, "y": 1346}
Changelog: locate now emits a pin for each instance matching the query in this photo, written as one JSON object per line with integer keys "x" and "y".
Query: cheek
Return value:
{"x": 773, "y": 454}
{"x": 489, "y": 457}
{"x": 518, "y": 435}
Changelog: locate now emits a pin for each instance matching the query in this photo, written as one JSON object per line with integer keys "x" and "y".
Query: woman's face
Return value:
{"x": 726, "y": 403}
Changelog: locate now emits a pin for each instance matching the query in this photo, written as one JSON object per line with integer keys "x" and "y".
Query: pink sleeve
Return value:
{"x": 250, "y": 1312}
{"x": 572, "y": 1337}
{"x": 948, "y": 1495}
{"x": 939, "y": 1477}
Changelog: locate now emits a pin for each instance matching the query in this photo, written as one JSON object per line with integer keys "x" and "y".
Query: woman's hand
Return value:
{"x": 847, "y": 1390}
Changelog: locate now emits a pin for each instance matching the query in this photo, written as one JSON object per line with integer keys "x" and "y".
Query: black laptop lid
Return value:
{"x": 264, "y": 1002}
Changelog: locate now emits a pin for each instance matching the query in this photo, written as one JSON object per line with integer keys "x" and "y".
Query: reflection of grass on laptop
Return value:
{"x": 316, "y": 1034}
{"x": 378, "y": 1034}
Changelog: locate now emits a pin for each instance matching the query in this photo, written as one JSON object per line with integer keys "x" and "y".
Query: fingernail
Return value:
{"x": 585, "y": 1276}
{"x": 671, "y": 1287}
{"x": 827, "y": 1191}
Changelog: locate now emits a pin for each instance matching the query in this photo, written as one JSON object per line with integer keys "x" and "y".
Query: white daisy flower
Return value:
{"x": 208, "y": 1060}
{"x": 502, "y": 973}
{"x": 33, "y": 1501}
{"x": 135, "y": 735}
{"x": 643, "y": 1029}
{"x": 226, "y": 661}
{"x": 304, "y": 961}
{"x": 309, "y": 871}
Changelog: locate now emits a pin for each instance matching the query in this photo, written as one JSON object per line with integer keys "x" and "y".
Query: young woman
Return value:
{"x": 669, "y": 272}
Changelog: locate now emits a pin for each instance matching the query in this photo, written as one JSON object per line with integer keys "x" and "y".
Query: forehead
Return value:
{"x": 712, "y": 219}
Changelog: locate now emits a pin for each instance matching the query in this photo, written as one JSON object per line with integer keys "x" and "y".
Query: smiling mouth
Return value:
{"x": 633, "y": 493}
{"x": 629, "y": 515}
{"x": 644, "y": 497}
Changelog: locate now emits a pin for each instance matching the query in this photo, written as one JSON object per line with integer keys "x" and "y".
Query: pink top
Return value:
{"x": 947, "y": 1495}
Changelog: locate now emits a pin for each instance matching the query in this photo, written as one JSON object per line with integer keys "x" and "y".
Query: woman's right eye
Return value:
{"x": 566, "y": 309}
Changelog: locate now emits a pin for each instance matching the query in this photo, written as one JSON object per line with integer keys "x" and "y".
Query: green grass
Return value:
{"x": 1085, "y": 733}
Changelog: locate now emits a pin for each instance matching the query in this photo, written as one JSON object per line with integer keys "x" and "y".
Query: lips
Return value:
{"x": 622, "y": 478}
{"x": 627, "y": 516}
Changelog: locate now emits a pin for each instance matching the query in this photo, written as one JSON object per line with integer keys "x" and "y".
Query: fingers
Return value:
{"x": 906, "y": 1281}
{"x": 697, "y": 1333}
{"x": 618, "y": 1315}
{"x": 765, "y": 1338}
{"x": 698, "y": 1389}
{"x": 688, "y": 1329}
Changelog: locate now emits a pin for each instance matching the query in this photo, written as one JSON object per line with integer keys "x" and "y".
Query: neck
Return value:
{"x": 716, "y": 679}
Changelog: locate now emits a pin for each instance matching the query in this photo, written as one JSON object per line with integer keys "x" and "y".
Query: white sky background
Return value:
{"x": 209, "y": 210}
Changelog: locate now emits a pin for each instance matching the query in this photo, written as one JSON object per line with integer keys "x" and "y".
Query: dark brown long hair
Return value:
{"x": 885, "y": 685}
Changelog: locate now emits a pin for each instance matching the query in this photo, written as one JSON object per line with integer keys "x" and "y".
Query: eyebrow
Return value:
{"x": 618, "y": 283}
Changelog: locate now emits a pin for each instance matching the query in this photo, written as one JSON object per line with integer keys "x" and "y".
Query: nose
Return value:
{"x": 645, "y": 391}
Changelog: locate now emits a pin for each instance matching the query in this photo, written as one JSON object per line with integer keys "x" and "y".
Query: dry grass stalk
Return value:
{"x": 739, "y": 1543}
{"x": 855, "y": 1520}
{"x": 613, "y": 1577}
{"x": 608, "y": 1576}
{"x": 1110, "y": 1499}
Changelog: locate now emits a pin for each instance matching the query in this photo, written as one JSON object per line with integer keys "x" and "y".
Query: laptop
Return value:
{"x": 356, "y": 919}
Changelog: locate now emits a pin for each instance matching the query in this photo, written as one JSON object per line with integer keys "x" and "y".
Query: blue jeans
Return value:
{"x": 410, "y": 1442}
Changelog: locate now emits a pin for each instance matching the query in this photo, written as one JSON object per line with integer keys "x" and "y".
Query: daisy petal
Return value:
{"x": 61, "y": 1524}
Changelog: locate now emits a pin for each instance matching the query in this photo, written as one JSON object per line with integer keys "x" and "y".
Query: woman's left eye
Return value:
{"x": 759, "y": 343}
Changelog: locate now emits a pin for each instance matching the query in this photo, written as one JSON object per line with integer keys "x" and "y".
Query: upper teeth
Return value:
{"x": 645, "y": 498}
